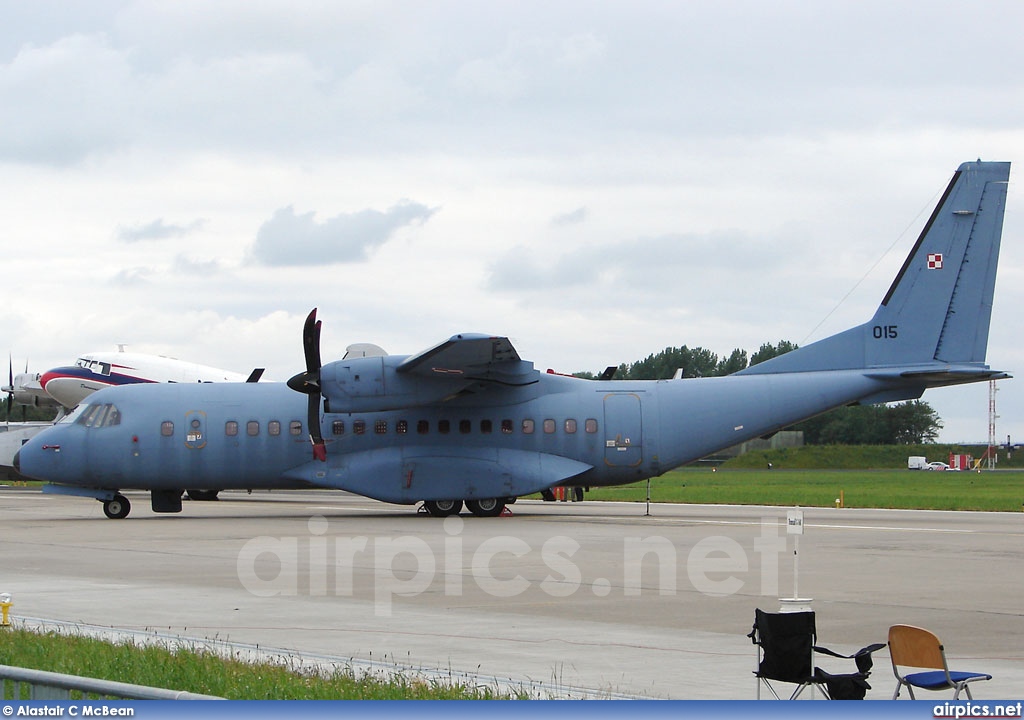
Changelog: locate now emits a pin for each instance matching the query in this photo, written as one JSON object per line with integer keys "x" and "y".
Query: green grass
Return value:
{"x": 820, "y": 488}
{"x": 203, "y": 671}
{"x": 862, "y": 457}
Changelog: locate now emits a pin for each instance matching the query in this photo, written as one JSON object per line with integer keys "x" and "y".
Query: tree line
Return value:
{"x": 908, "y": 423}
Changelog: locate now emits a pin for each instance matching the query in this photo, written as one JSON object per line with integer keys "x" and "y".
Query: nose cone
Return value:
{"x": 68, "y": 385}
{"x": 41, "y": 457}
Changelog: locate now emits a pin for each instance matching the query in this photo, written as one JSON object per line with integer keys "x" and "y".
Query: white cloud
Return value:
{"x": 290, "y": 239}
{"x": 573, "y": 217}
{"x": 65, "y": 101}
{"x": 156, "y": 230}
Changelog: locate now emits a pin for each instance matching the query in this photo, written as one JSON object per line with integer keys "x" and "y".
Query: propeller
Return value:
{"x": 24, "y": 408}
{"x": 10, "y": 386}
{"x": 308, "y": 383}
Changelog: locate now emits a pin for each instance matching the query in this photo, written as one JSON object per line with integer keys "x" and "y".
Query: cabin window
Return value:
{"x": 486, "y": 427}
{"x": 359, "y": 427}
{"x": 465, "y": 427}
{"x": 590, "y": 425}
{"x": 295, "y": 427}
{"x": 381, "y": 427}
{"x": 252, "y": 428}
{"x": 423, "y": 427}
{"x": 231, "y": 428}
{"x": 338, "y": 427}
{"x": 402, "y": 427}
{"x": 549, "y": 426}
{"x": 444, "y": 427}
{"x": 166, "y": 428}
{"x": 570, "y": 426}
{"x": 527, "y": 427}
{"x": 506, "y": 427}
{"x": 274, "y": 427}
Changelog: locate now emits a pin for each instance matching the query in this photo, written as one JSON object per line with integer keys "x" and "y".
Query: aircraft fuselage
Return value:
{"x": 565, "y": 430}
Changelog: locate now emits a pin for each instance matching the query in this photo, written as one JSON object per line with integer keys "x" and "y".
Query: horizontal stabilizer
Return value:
{"x": 939, "y": 376}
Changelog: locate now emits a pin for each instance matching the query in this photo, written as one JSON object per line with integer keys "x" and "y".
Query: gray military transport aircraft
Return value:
{"x": 468, "y": 421}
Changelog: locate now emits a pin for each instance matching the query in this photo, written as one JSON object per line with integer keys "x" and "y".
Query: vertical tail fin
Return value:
{"x": 938, "y": 309}
{"x": 941, "y": 301}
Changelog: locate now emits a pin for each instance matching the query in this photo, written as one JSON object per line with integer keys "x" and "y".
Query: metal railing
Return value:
{"x": 43, "y": 685}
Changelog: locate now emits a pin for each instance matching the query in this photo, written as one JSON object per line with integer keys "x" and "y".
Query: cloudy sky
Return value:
{"x": 595, "y": 180}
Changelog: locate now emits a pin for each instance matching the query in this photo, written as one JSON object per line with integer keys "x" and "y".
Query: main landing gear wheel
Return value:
{"x": 117, "y": 507}
{"x": 442, "y": 508}
{"x": 207, "y": 495}
{"x": 489, "y": 507}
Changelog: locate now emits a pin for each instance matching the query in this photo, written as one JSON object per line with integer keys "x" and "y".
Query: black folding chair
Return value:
{"x": 786, "y": 647}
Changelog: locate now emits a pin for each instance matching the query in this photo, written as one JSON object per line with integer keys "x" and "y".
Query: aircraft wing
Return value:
{"x": 473, "y": 357}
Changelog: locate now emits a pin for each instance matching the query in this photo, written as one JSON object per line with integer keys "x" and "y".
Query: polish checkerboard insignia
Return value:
{"x": 934, "y": 261}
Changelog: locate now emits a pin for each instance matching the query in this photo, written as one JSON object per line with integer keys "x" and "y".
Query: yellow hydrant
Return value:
{"x": 5, "y": 606}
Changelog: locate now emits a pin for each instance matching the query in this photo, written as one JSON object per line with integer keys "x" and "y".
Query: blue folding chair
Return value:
{"x": 914, "y": 647}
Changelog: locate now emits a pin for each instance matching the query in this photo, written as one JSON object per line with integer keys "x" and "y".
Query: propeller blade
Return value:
{"x": 311, "y": 342}
{"x": 10, "y": 386}
{"x": 308, "y": 382}
{"x": 315, "y": 437}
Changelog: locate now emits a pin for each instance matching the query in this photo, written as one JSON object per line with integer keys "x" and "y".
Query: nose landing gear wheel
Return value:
{"x": 117, "y": 507}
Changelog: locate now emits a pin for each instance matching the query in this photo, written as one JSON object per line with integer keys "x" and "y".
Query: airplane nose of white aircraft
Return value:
{"x": 64, "y": 387}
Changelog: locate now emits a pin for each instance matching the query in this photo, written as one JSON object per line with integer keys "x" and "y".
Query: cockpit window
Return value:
{"x": 88, "y": 415}
{"x": 100, "y": 368}
{"x": 97, "y": 416}
{"x": 74, "y": 415}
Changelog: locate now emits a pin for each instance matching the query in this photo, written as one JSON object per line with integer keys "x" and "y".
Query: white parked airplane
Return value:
{"x": 66, "y": 387}
{"x": 71, "y": 384}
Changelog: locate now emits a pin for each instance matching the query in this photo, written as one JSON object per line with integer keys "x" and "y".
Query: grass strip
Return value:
{"x": 200, "y": 670}
{"x": 905, "y": 489}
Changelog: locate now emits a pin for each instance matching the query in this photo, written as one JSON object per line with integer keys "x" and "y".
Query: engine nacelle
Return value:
{"x": 27, "y": 391}
{"x": 372, "y": 384}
